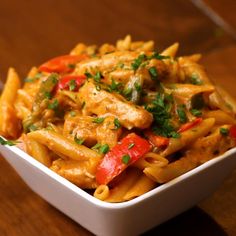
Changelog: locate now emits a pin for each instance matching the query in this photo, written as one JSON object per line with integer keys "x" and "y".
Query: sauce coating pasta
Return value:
{"x": 118, "y": 120}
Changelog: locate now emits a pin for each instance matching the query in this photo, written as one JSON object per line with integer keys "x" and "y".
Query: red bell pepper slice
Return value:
{"x": 71, "y": 82}
{"x": 232, "y": 132}
{"x": 156, "y": 140}
{"x": 62, "y": 64}
{"x": 190, "y": 125}
{"x": 129, "y": 150}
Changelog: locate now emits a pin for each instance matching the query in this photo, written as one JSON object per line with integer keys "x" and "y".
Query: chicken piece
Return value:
{"x": 107, "y": 132}
{"x": 81, "y": 127}
{"x": 102, "y": 102}
{"x": 118, "y": 66}
{"x": 81, "y": 173}
{"x": 106, "y": 62}
{"x": 84, "y": 127}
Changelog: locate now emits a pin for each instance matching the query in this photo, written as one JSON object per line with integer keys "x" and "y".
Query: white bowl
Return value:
{"x": 128, "y": 218}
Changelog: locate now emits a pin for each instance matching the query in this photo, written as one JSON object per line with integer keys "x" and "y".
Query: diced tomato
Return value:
{"x": 66, "y": 82}
{"x": 131, "y": 148}
{"x": 232, "y": 132}
{"x": 156, "y": 140}
{"x": 62, "y": 64}
{"x": 190, "y": 125}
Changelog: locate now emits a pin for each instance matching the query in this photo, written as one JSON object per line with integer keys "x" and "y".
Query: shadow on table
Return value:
{"x": 194, "y": 222}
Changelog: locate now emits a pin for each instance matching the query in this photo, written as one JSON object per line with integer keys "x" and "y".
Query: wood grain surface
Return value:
{"x": 33, "y": 31}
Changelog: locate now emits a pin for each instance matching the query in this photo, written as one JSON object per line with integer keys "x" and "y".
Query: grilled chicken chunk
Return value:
{"x": 102, "y": 102}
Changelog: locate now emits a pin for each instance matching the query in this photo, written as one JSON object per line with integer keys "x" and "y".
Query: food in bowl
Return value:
{"x": 118, "y": 120}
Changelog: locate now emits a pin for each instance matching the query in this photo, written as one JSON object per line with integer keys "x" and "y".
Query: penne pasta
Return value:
{"x": 60, "y": 144}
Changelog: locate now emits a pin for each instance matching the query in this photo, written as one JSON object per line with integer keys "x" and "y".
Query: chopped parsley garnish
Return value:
{"x": 138, "y": 87}
{"x": 138, "y": 61}
{"x": 78, "y": 140}
{"x": 160, "y": 109}
{"x": 115, "y": 86}
{"x": 97, "y": 77}
{"x": 127, "y": 92}
{"x": 196, "y": 112}
{"x": 117, "y": 123}
{"x": 54, "y": 105}
{"x": 72, "y": 85}
{"x": 181, "y": 113}
{"x": 7, "y": 142}
{"x": 131, "y": 145}
{"x": 34, "y": 78}
{"x": 175, "y": 134}
{"x": 54, "y": 78}
{"x": 153, "y": 72}
{"x": 47, "y": 95}
{"x": 194, "y": 79}
{"x": 224, "y": 131}
{"x": 98, "y": 120}
{"x": 126, "y": 158}
{"x": 104, "y": 149}
{"x": 32, "y": 127}
{"x": 96, "y": 146}
{"x": 88, "y": 75}
{"x": 158, "y": 56}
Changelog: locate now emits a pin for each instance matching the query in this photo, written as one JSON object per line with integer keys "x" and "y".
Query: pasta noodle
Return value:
{"x": 118, "y": 120}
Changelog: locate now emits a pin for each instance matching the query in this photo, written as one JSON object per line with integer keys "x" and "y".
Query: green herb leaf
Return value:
{"x": 194, "y": 79}
{"x": 47, "y": 95}
{"x": 174, "y": 134}
{"x": 7, "y": 142}
{"x": 160, "y": 109}
{"x": 138, "y": 87}
{"x": 96, "y": 146}
{"x": 127, "y": 92}
{"x": 104, "y": 149}
{"x": 138, "y": 61}
{"x": 72, "y": 85}
{"x": 54, "y": 105}
{"x": 181, "y": 113}
{"x": 196, "y": 112}
{"x": 78, "y": 140}
{"x": 131, "y": 145}
{"x": 126, "y": 158}
{"x": 153, "y": 72}
{"x": 88, "y": 75}
{"x": 117, "y": 123}
{"x": 158, "y": 56}
{"x": 115, "y": 86}
{"x": 224, "y": 131}
{"x": 98, "y": 76}
{"x": 36, "y": 77}
{"x": 32, "y": 127}
{"x": 98, "y": 120}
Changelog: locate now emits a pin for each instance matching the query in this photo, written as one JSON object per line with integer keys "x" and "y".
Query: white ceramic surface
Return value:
{"x": 128, "y": 218}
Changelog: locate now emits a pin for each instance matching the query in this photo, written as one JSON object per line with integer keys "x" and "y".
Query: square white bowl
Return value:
{"x": 128, "y": 218}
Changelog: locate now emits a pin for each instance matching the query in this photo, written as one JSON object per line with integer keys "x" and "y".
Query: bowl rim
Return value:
{"x": 99, "y": 203}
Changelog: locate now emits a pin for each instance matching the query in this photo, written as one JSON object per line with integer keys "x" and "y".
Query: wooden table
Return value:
{"x": 33, "y": 31}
